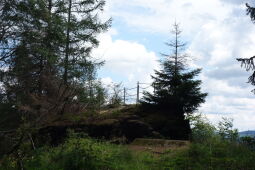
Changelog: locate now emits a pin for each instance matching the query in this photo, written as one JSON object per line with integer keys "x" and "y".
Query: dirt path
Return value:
{"x": 157, "y": 146}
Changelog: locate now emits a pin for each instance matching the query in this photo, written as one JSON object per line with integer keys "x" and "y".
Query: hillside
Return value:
{"x": 250, "y": 133}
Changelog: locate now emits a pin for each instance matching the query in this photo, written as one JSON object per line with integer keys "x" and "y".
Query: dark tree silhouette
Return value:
{"x": 176, "y": 91}
{"x": 251, "y": 11}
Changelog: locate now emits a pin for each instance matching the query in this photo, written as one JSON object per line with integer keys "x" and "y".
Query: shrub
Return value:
{"x": 248, "y": 141}
{"x": 202, "y": 130}
{"x": 81, "y": 153}
{"x": 226, "y": 131}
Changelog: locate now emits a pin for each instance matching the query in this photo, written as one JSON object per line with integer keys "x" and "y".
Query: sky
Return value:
{"x": 216, "y": 32}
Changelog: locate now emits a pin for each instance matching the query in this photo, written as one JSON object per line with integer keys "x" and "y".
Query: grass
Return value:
{"x": 82, "y": 153}
{"x": 98, "y": 115}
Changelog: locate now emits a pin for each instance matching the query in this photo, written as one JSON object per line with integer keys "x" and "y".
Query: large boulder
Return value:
{"x": 127, "y": 126}
{"x": 106, "y": 129}
{"x": 135, "y": 129}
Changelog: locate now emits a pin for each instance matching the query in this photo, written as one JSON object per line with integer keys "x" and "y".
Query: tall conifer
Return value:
{"x": 176, "y": 90}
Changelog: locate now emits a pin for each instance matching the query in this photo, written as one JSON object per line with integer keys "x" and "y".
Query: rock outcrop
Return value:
{"x": 128, "y": 126}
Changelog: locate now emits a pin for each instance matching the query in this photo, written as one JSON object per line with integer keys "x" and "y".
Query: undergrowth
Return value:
{"x": 208, "y": 151}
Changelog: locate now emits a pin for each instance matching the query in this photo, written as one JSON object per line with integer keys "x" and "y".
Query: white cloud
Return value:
{"x": 125, "y": 61}
{"x": 106, "y": 81}
{"x": 218, "y": 32}
{"x": 241, "y": 121}
{"x": 158, "y": 15}
{"x": 238, "y": 2}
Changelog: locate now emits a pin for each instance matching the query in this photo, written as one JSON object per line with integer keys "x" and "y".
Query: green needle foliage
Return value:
{"x": 176, "y": 91}
{"x": 46, "y": 45}
{"x": 175, "y": 87}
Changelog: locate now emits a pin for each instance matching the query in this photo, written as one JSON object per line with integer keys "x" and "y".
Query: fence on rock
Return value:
{"x": 119, "y": 94}
{"x": 134, "y": 94}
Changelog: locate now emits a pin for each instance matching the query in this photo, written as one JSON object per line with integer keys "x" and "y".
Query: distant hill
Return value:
{"x": 250, "y": 133}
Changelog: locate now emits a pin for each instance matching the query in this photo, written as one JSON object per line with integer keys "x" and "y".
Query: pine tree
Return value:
{"x": 248, "y": 63}
{"x": 176, "y": 90}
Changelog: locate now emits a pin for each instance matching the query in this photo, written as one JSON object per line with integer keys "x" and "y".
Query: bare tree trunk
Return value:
{"x": 67, "y": 43}
{"x": 176, "y": 50}
{"x": 44, "y": 60}
{"x": 31, "y": 140}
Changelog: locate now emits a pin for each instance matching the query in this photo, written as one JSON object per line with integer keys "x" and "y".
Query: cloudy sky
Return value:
{"x": 216, "y": 31}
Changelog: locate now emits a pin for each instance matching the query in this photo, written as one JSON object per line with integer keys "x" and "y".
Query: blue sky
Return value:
{"x": 216, "y": 32}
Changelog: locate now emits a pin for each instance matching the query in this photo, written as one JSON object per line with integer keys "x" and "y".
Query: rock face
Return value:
{"x": 136, "y": 128}
{"x": 127, "y": 126}
{"x": 169, "y": 126}
{"x": 106, "y": 129}
{"x": 175, "y": 129}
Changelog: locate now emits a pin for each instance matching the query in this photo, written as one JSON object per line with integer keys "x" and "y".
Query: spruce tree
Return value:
{"x": 176, "y": 91}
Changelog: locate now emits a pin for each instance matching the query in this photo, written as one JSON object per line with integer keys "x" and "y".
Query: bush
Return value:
{"x": 226, "y": 131}
{"x": 81, "y": 153}
{"x": 248, "y": 141}
{"x": 202, "y": 130}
